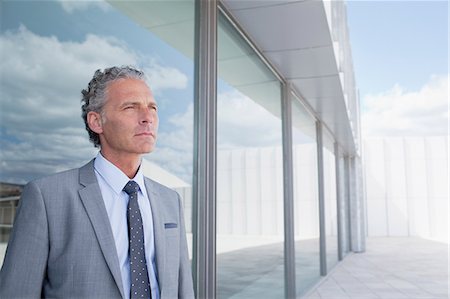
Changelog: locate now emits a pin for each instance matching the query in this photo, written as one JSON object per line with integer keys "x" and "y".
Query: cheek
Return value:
{"x": 115, "y": 129}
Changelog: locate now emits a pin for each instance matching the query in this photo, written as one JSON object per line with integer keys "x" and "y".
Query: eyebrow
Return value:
{"x": 136, "y": 103}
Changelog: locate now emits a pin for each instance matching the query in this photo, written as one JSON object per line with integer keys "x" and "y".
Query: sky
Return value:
{"x": 400, "y": 57}
{"x": 50, "y": 49}
{"x": 49, "y": 52}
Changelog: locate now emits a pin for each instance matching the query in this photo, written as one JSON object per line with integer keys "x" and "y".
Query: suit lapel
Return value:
{"x": 158, "y": 228}
{"x": 91, "y": 197}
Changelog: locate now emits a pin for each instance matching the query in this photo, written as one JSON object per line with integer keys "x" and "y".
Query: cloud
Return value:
{"x": 41, "y": 127}
{"x": 161, "y": 78}
{"x": 241, "y": 122}
{"x": 71, "y": 6}
{"x": 398, "y": 112}
{"x": 174, "y": 150}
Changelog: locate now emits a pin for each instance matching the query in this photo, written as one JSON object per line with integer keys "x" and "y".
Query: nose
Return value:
{"x": 148, "y": 116}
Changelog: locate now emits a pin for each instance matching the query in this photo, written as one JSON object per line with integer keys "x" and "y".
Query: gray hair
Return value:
{"x": 94, "y": 96}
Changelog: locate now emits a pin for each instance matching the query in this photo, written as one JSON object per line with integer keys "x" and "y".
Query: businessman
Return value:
{"x": 103, "y": 230}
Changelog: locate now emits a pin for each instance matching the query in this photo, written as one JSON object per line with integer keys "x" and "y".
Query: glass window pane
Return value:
{"x": 250, "y": 257}
{"x": 342, "y": 206}
{"x": 50, "y": 50}
{"x": 306, "y": 200}
{"x": 329, "y": 173}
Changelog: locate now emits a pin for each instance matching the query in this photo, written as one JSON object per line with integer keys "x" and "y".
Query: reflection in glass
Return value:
{"x": 50, "y": 51}
{"x": 250, "y": 258}
{"x": 306, "y": 202}
{"x": 329, "y": 173}
{"x": 342, "y": 206}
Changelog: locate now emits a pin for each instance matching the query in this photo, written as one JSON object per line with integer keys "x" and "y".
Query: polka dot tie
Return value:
{"x": 140, "y": 284}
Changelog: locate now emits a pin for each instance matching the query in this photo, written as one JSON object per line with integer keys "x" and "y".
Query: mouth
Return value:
{"x": 146, "y": 134}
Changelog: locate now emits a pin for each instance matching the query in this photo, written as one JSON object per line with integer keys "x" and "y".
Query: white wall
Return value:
{"x": 250, "y": 191}
{"x": 407, "y": 185}
{"x": 306, "y": 197}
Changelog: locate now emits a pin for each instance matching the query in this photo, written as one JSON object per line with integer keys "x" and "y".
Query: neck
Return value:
{"x": 127, "y": 164}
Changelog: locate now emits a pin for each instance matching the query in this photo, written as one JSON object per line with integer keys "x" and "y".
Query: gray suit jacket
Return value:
{"x": 62, "y": 245}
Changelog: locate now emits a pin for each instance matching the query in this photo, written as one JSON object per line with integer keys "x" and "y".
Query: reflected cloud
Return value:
{"x": 71, "y": 6}
{"x": 174, "y": 151}
{"x": 244, "y": 123}
{"x": 162, "y": 78}
{"x": 41, "y": 127}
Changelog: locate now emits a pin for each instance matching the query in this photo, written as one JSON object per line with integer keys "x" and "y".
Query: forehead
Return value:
{"x": 123, "y": 89}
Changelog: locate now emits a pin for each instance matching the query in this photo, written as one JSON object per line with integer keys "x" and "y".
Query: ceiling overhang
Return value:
{"x": 295, "y": 38}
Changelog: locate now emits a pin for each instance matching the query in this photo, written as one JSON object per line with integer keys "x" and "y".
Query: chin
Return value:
{"x": 147, "y": 149}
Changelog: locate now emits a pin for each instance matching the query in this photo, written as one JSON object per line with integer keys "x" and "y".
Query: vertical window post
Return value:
{"x": 288, "y": 191}
{"x": 205, "y": 147}
{"x": 320, "y": 167}
{"x": 340, "y": 204}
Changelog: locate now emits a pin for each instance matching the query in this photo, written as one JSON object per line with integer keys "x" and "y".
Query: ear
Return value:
{"x": 94, "y": 120}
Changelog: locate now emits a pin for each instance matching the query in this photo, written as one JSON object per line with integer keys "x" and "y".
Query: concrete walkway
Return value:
{"x": 391, "y": 268}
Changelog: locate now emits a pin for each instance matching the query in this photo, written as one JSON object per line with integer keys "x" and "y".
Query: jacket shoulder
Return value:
{"x": 63, "y": 177}
{"x": 158, "y": 186}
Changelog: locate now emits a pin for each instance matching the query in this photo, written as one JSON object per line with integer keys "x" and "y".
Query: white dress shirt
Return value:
{"x": 112, "y": 180}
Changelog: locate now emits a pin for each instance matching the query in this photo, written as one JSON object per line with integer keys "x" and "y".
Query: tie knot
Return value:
{"x": 131, "y": 187}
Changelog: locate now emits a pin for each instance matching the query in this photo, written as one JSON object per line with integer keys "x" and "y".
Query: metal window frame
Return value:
{"x": 205, "y": 156}
{"x": 348, "y": 221}
{"x": 205, "y": 150}
{"x": 320, "y": 168}
{"x": 288, "y": 193}
{"x": 288, "y": 187}
{"x": 339, "y": 202}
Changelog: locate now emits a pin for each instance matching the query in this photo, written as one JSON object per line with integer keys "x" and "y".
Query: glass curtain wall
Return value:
{"x": 50, "y": 51}
{"x": 250, "y": 254}
{"x": 343, "y": 206}
{"x": 306, "y": 200}
{"x": 347, "y": 203}
{"x": 329, "y": 171}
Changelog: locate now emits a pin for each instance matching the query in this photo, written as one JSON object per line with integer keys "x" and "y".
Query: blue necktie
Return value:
{"x": 140, "y": 284}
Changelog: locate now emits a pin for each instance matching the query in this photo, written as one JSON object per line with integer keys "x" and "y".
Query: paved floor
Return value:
{"x": 391, "y": 268}
{"x": 258, "y": 272}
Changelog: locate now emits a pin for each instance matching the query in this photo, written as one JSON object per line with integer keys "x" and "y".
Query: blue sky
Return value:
{"x": 51, "y": 49}
{"x": 401, "y": 42}
{"x": 400, "y": 56}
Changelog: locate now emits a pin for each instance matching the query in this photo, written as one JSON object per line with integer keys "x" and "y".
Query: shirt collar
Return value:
{"x": 114, "y": 177}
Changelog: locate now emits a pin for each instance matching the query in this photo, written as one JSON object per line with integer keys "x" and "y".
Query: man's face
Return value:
{"x": 129, "y": 121}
